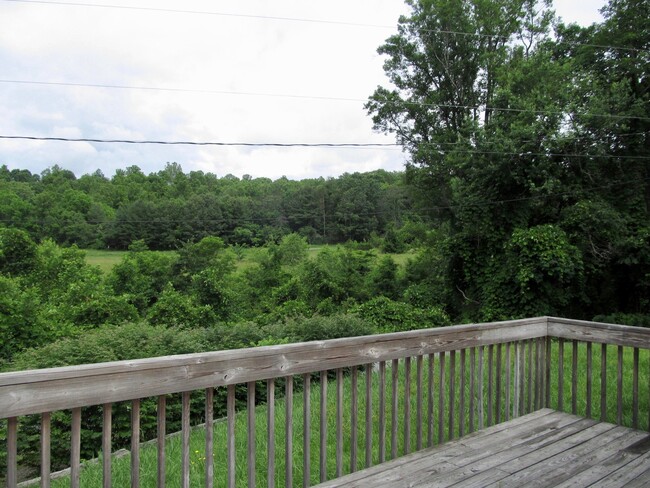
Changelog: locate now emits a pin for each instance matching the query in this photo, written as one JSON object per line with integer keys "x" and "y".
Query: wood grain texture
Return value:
{"x": 107, "y": 414}
{"x": 135, "y": 442}
{"x": 37, "y": 391}
{"x": 75, "y": 448}
{"x": 270, "y": 433}
{"x": 323, "y": 427}
{"x": 161, "y": 429}
{"x": 46, "y": 432}
{"x": 209, "y": 437}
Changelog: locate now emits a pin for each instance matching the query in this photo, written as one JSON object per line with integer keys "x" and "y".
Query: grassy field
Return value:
{"x": 91, "y": 476}
{"x": 105, "y": 260}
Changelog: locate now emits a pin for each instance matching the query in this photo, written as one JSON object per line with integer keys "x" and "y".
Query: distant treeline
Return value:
{"x": 168, "y": 208}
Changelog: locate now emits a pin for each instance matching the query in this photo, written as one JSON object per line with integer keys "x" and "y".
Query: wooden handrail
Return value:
{"x": 36, "y": 391}
{"x": 505, "y": 365}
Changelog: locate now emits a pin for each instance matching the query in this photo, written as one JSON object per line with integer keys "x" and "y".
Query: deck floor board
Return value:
{"x": 545, "y": 448}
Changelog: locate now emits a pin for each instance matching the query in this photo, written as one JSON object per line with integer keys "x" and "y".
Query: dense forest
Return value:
{"x": 527, "y": 193}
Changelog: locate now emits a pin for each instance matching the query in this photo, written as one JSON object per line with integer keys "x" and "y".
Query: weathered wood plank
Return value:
{"x": 46, "y": 432}
{"x": 498, "y": 386}
{"x": 288, "y": 433}
{"x": 441, "y": 397}
{"x": 635, "y": 389}
{"x": 270, "y": 432}
{"x": 508, "y": 383}
{"x": 407, "y": 405}
{"x": 339, "y": 422}
{"x": 625, "y": 474}
{"x": 430, "y": 419}
{"x": 393, "y": 412}
{"x": 230, "y": 439}
{"x": 209, "y": 437}
{"x": 590, "y": 380}
{"x": 603, "y": 382}
{"x": 472, "y": 392}
{"x": 52, "y": 389}
{"x": 185, "y": 440}
{"x": 353, "y": 419}
{"x": 368, "y": 428}
{"x": 323, "y": 427}
{"x": 560, "y": 375}
{"x": 480, "y": 387}
{"x": 490, "y": 376}
{"x": 461, "y": 393}
{"x": 619, "y": 385}
{"x": 250, "y": 427}
{"x": 574, "y": 377}
{"x": 382, "y": 411}
{"x": 530, "y": 375}
{"x": 618, "y": 335}
{"x": 418, "y": 403}
{"x": 452, "y": 393}
{"x": 12, "y": 452}
{"x": 75, "y": 448}
{"x": 107, "y": 424}
{"x": 161, "y": 431}
{"x": 306, "y": 437}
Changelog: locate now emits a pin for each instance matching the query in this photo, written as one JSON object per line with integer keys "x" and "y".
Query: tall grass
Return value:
{"x": 91, "y": 476}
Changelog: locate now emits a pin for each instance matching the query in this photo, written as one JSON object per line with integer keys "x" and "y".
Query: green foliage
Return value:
{"x": 174, "y": 309}
{"x": 319, "y": 328}
{"x": 17, "y": 252}
{"x": 130, "y": 341}
{"x": 291, "y": 250}
{"x": 387, "y": 315}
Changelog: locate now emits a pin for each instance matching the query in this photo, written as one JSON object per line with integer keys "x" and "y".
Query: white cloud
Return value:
{"x": 58, "y": 43}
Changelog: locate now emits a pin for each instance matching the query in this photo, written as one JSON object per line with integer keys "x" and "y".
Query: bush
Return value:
{"x": 320, "y": 328}
{"x": 390, "y": 316}
{"x": 130, "y": 341}
{"x": 636, "y": 319}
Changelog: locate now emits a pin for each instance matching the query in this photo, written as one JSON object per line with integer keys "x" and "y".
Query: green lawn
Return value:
{"x": 91, "y": 476}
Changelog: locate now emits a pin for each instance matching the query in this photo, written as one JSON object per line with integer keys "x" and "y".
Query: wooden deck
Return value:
{"x": 544, "y": 448}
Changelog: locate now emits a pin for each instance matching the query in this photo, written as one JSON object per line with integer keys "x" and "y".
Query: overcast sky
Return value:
{"x": 326, "y": 68}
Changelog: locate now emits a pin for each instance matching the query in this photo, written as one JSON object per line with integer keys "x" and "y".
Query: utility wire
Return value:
{"x": 312, "y": 97}
{"x": 299, "y": 19}
{"x": 204, "y": 143}
{"x": 317, "y": 144}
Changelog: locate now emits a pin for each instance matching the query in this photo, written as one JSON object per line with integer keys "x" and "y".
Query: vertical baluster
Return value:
{"x": 185, "y": 439}
{"x": 270, "y": 432}
{"x": 250, "y": 426}
{"x": 603, "y": 382}
{"x": 407, "y": 405}
{"x": 480, "y": 411}
{"x": 161, "y": 433}
{"x": 590, "y": 375}
{"x": 12, "y": 452}
{"x": 461, "y": 404}
{"x": 522, "y": 376}
{"x": 530, "y": 376}
{"x": 306, "y": 437}
{"x": 393, "y": 413}
{"x": 490, "y": 389}
{"x": 107, "y": 411}
{"x": 288, "y": 430}
{"x": 537, "y": 375}
{"x": 560, "y": 375}
{"x": 323, "y": 426}
{"x": 635, "y": 390}
{"x": 46, "y": 431}
{"x": 368, "y": 440}
{"x": 430, "y": 419}
{"x": 418, "y": 404}
{"x": 472, "y": 375}
{"x": 452, "y": 392}
{"x": 382, "y": 411}
{"x": 574, "y": 377}
{"x": 498, "y": 386}
{"x": 230, "y": 414}
{"x": 508, "y": 368}
{"x": 339, "y": 422}
{"x": 209, "y": 437}
{"x": 441, "y": 398}
{"x": 547, "y": 375}
{"x": 353, "y": 419}
{"x": 619, "y": 386}
{"x": 517, "y": 383}
{"x": 75, "y": 448}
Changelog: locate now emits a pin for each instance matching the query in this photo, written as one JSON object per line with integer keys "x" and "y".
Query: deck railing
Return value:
{"x": 420, "y": 388}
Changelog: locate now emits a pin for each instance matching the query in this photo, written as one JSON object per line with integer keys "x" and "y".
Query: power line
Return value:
{"x": 313, "y": 97}
{"x": 203, "y": 143}
{"x": 300, "y": 19}
{"x": 316, "y": 144}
